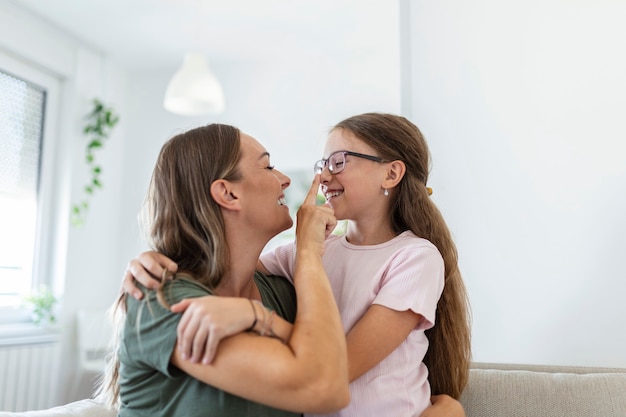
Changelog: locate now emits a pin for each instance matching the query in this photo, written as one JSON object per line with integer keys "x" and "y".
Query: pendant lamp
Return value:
{"x": 194, "y": 90}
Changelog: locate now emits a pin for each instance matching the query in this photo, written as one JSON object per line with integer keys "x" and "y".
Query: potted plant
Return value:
{"x": 42, "y": 302}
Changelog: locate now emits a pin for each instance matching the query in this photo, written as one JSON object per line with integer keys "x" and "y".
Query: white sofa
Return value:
{"x": 494, "y": 390}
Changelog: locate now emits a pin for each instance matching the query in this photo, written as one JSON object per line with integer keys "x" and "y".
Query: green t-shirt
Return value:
{"x": 151, "y": 386}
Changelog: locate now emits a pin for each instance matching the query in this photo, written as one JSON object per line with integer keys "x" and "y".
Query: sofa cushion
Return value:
{"x": 82, "y": 408}
{"x": 524, "y": 393}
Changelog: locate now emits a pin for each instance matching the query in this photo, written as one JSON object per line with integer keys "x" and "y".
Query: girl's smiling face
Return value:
{"x": 356, "y": 191}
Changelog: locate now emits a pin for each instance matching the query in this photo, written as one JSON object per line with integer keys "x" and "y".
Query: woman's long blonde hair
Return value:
{"x": 396, "y": 138}
{"x": 182, "y": 220}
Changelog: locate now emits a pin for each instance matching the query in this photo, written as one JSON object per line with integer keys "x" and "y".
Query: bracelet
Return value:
{"x": 255, "y": 318}
{"x": 267, "y": 322}
{"x": 269, "y": 331}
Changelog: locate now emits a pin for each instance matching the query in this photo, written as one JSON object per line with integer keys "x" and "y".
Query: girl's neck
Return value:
{"x": 373, "y": 234}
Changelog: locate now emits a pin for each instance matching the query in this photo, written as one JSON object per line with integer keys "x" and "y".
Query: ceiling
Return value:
{"x": 142, "y": 34}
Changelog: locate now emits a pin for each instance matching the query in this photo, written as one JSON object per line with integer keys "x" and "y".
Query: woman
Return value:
{"x": 213, "y": 204}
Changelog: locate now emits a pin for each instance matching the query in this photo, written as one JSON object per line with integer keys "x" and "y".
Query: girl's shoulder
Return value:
{"x": 409, "y": 238}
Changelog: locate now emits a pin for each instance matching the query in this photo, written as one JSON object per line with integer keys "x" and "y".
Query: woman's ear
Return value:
{"x": 395, "y": 173}
{"x": 224, "y": 195}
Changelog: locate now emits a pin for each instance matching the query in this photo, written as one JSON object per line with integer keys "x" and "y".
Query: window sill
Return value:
{"x": 27, "y": 334}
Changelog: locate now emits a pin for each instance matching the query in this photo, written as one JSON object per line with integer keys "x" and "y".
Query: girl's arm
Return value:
{"x": 378, "y": 333}
{"x": 207, "y": 320}
{"x": 146, "y": 268}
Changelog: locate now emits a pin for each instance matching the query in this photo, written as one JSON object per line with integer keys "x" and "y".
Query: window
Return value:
{"x": 27, "y": 124}
{"x": 21, "y": 125}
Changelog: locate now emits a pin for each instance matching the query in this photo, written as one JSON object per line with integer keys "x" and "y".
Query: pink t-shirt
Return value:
{"x": 404, "y": 273}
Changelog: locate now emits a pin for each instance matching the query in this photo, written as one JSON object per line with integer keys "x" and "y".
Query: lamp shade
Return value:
{"x": 194, "y": 90}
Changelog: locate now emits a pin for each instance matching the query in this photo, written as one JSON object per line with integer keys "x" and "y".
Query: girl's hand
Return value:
{"x": 144, "y": 269}
{"x": 206, "y": 321}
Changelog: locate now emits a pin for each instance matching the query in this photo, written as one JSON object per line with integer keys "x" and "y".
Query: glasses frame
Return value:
{"x": 320, "y": 165}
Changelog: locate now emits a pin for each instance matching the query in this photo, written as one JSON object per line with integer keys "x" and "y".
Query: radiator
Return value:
{"x": 28, "y": 373}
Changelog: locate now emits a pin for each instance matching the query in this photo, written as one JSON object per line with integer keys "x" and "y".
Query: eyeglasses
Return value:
{"x": 336, "y": 161}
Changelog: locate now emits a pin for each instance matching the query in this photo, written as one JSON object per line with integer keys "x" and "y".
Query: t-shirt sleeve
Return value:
{"x": 413, "y": 280}
{"x": 280, "y": 261}
{"x": 156, "y": 337}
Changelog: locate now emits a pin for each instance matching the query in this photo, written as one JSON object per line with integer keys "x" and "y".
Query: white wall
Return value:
{"x": 523, "y": 106}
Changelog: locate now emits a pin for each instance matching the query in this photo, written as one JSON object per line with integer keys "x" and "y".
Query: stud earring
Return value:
{"x": 386, "y": 192}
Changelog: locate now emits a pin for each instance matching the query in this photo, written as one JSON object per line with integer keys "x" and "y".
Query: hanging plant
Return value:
{"x": 100, "y": 121}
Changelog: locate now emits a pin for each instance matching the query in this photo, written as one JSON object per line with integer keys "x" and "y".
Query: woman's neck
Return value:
{"x": 244, "y": 254}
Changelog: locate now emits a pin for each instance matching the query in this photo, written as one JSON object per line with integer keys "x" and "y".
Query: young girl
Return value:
{"x": 394, "y": 273}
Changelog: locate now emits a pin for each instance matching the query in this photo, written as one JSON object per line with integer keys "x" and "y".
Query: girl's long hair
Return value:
{"x": 396, "y": 138}
{"x": 182, "y": 220}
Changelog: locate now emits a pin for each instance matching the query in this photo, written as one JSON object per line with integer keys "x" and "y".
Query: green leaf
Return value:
{"x": 94, "y": 144}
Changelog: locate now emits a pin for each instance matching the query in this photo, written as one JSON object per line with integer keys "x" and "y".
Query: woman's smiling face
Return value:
{"x": 261, "y": 189}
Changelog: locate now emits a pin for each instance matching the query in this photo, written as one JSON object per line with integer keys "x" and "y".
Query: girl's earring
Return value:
{"x": 386, "y": 192}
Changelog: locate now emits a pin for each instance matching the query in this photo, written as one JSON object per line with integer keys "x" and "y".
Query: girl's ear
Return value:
{"x": 395, "y": 173}
{"x": 224, "y": 195}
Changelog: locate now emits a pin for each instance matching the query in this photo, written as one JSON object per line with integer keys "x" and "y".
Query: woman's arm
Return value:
{"x": 267, "y": 371}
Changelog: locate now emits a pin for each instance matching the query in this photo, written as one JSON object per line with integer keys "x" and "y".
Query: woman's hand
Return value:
{"x": 444, "y": 406}
{"x": 144, "y": 269}
{"x": 207, "y": 320}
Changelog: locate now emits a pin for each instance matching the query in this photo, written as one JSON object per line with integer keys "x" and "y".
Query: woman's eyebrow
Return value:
{"x": 264, "y": 154}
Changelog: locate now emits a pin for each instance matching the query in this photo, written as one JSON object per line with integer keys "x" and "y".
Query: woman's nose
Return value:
{"x": 285, "y": 181}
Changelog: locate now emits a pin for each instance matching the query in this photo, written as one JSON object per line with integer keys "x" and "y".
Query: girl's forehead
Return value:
{"x": 344, "y": 140}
